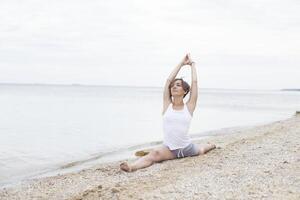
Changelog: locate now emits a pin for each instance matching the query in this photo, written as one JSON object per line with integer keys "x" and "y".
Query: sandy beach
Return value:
{"x": 261, "y": 162}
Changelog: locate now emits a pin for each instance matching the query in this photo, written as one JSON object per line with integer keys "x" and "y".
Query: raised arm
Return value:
{"x": 192, "y": 102}
{"x": 167, "y": 96}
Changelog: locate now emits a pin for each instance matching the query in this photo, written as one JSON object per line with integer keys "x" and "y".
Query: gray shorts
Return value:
{"x": 190, "y": 150}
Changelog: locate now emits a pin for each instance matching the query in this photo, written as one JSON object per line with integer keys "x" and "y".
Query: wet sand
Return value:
{"x": 261, "y": 162}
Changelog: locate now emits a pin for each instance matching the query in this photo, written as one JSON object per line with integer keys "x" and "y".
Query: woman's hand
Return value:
{"x": 191, "y": 62}
{"x": 186, "y": 60}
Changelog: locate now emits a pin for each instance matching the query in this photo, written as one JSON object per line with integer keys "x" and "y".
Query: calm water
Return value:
{"x": 44, "y": 127}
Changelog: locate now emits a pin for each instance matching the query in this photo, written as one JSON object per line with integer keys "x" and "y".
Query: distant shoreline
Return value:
{"x": 128, "y": 86}
{"x": 297, "y": 90}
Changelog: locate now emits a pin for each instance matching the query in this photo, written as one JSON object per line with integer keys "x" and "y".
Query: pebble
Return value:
{"x": 115, "y": 190}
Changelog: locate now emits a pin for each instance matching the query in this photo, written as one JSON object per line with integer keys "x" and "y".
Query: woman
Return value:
{"x": 177, "y": 116}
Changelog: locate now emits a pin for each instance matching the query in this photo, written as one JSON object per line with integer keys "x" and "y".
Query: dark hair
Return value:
{"x": 185, "y": 86}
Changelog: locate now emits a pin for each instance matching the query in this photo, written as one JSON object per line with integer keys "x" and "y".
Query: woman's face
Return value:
{"x": 177, "y": 89}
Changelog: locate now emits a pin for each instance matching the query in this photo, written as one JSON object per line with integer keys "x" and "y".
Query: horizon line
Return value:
{"x": 104, "y": 85}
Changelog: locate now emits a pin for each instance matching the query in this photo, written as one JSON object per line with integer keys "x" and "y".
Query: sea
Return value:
{"x": 45, "y": 129}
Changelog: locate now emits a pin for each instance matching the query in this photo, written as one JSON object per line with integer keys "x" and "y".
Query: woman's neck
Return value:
{"x": 178, "y": 101}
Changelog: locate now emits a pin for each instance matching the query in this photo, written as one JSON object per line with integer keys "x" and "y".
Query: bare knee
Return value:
{"x": 206, "y": 148}
{"x": 154, "y": 156}
{"x": 201, "y": 151}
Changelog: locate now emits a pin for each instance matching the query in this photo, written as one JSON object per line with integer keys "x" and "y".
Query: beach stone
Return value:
{"x": 115, "y": 190}
{"x": 99, "y": 187}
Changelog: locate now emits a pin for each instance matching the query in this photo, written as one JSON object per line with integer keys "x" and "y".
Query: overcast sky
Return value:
{"x": 242, "y": 44}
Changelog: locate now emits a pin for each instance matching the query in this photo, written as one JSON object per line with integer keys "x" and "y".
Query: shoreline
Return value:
{"x": 241, "y": 158}
{"x": 124, "y": 153}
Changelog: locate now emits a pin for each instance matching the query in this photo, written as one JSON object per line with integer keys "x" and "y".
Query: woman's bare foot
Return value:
{"x": 125, "y": 167}
{"x": 213, "y": 146}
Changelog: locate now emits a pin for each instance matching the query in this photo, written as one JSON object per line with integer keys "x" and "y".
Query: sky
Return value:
{"x": 236, "y": 44}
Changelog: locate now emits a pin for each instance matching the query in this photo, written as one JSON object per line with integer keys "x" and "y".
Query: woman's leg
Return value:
{"x": 204, "y": 148}
{"x": 156, "y": 155}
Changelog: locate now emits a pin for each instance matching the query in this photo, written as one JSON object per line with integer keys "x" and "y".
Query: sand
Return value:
{"x": 260, "y": 162}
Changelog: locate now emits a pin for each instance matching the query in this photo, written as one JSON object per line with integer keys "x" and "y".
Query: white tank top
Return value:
{"x": 176, "y": 125}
